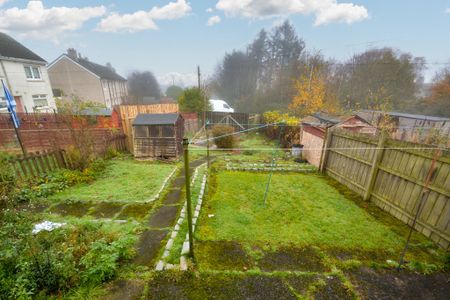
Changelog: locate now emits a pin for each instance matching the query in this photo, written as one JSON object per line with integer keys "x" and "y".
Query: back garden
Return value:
{"x": 123, "y": 234}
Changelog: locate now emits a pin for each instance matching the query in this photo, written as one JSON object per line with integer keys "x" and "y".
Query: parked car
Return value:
{"x": 220, "y": 106}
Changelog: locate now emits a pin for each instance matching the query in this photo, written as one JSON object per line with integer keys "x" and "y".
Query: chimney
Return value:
{"x": 72, "y": 53}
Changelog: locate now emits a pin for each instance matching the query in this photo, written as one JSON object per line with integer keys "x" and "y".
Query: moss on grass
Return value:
{"x": 304, "y": 211}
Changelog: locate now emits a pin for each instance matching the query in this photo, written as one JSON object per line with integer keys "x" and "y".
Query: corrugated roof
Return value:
{"x": 155, "y": 119}
{"x": 99, "y": 70}
{"x": 11, "y": 48}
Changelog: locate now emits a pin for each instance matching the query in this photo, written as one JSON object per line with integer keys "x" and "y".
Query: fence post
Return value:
{"x": 375, "y": 163}
{"x": 325, "y": 149}
{"x": 188, "y": 196}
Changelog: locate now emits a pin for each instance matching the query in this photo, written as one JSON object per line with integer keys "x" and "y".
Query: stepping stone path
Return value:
{"x": 163, "y": 219}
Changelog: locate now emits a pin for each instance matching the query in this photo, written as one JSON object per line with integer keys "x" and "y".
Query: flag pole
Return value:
{"x": 9, "y": 98}
{"x": 18, "y": 135}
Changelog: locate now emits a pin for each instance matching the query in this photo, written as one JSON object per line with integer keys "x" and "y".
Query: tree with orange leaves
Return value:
{"x": 310, "y": 94}
{"x": 438, "y": 103}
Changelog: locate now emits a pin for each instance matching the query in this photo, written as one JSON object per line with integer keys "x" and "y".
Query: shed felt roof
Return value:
{"x": 11, "y": 48}
{"x": 156, "y": 119}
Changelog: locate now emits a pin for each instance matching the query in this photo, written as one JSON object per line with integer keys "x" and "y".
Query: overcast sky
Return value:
{"x": 171, "y": 37}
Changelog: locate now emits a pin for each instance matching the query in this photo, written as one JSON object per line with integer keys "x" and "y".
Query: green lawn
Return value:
{"x": 124, "y": 180}
{"x": 302, "y": 209}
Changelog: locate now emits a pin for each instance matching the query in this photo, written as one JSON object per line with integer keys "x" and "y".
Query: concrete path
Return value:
{"x": 150, "y": 244}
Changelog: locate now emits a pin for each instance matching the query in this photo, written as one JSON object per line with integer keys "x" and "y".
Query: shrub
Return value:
{"x": 227, "y": 141}
{"x": 7, "y": 179}
{"x": 48, "y": 263}
{"x": 111, "y": 152}
{"x": 77, "y": 159}
{"x": 291, "y": 132}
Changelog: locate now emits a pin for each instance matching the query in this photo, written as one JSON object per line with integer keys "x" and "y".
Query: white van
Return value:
{"x": 220, "y": 106}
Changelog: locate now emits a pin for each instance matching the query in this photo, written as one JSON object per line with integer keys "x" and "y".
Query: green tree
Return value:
{"x": 192, "y": 100}
{"x": 397, "y": 74}
{"x": 174, "y": 92}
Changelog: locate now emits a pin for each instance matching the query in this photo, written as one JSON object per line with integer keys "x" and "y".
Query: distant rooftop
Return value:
{"x": 10, "y": 48}
{"x": 156, "y": 119}
{"x": 96, "y": 112}
{"x": 409, "y": 116}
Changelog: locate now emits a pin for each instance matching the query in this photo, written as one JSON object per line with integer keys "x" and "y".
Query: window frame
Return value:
{"x": 40, "y": 97}
{"x": 31, "y": 69}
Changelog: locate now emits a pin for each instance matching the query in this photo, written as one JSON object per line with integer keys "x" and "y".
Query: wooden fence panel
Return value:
{"x": 37, "y": 164}
{"x": 399, "y": 183}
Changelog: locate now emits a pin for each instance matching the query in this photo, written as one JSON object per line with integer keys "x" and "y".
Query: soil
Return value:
{"x": 189, "y": 285}
{"x": 125, "y": 290}
{"x": 222, "y": 255}
{"x": 333, "y": 289}
{"x": 31, "y": 207}
{"x": 378, "y": 256}
{"x": 106, "y": 209}
{"x": 137, "y": 211}
{"x": 76, "y": 209}
{"x": 164, "y": 217}
{"x": 148, "y": 247}
{"x": 301, "y": 283}
{"x": 292, "y": 259}
{"x": 390, "y": 284}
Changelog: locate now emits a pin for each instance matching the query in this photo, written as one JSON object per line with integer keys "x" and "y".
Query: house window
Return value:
{"x": 40, "y": 100}
{"x": 32, "y": 72}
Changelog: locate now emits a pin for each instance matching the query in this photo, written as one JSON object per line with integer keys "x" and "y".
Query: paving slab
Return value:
{"x": 163, "y": 217}
{"x": 76, "y": 209}
{"x": 148, "y": 246}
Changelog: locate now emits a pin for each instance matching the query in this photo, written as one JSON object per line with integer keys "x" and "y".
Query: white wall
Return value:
{"x": 25, "y": 88}
{"x": 115, "y": 92}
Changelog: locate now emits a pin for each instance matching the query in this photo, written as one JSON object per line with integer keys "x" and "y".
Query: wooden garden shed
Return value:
{"x": 158, "y": 135}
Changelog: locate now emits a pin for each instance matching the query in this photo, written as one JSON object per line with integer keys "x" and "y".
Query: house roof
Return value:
{"x": 103, "y": 72}
{"x": 11, "y": 48}
{"x": 405, "y": 115}
{"x": 156, "y": 119}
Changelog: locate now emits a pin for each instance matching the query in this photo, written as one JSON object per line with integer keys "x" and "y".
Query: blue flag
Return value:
{"x": 11, "y": 104}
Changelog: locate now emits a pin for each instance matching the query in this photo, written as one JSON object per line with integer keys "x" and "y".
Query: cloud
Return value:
{"x": 325, "y": 11}
{"x": 3, "y": 2}
{"x": 448, "y": 11}
{"x": 213, "y": 20}
{"x": 209, "y": 10}
{"x": 144, "y": 20}
{"x": 180, "y": 79}
{"x": 37, "y": 21}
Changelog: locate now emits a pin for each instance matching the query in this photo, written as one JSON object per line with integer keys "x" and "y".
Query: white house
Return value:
{"x": 26, "y": 76}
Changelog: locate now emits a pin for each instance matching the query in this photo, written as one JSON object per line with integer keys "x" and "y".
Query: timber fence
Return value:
{"x": 39, "y": 163}
{"x": 393, "y": 175}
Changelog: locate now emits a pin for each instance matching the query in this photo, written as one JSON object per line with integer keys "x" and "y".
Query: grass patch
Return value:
{"x": 303, "y": 210}
{"x": 124, "y": 180}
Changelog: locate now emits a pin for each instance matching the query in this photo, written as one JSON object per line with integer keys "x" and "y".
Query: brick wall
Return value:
{"x": 50, "y": 131}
